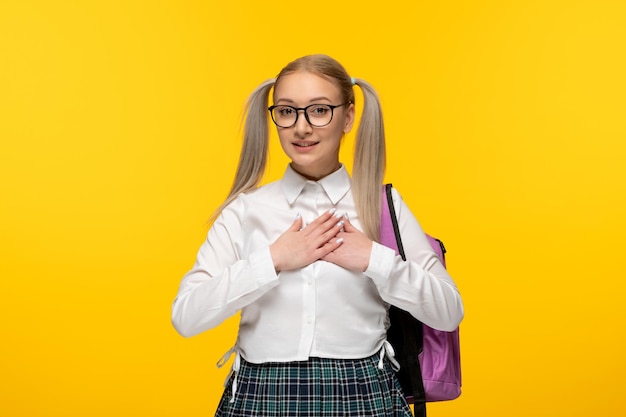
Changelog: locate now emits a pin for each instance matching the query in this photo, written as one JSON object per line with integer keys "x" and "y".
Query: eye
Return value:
{"x": 285, "y": 110}
{"x": 319, "y": 110}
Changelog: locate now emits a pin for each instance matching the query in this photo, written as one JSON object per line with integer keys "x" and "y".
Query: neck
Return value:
{"x": 316, "y": 176}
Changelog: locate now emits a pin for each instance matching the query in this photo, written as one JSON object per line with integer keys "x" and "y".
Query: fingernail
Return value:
{"x": 297, "y": 216}
{"x": 332, "y": 210}
{"x": 339, "y": 216}
{"x": 340, "y": 224}
{"x": 339, "y": 240}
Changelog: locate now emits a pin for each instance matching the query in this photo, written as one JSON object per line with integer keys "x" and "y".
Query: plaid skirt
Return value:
{"x": 317, "y": 387}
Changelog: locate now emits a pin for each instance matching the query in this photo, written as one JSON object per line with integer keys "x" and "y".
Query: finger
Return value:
{"x": 329, "y": 247}
{"x": 335, "y": 228}
{"x": 347, "y": 226}
{"x": 321, "y": 225}
{"x": 335, "y": 220}
{"x": 325, "y": 216}
{"x": 297, "y": 224}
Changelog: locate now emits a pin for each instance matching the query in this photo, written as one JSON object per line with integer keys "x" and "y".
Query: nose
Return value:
{"x": 302, "y": 126}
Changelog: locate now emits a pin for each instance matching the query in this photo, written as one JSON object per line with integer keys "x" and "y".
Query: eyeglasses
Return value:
{"x": 317, "y": 115}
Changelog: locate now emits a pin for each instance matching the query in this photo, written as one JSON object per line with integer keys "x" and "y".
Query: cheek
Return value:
{"x": 282, "y": 139}
{"x": 339, "y": 133}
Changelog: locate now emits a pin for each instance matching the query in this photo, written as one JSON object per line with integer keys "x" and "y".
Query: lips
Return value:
{"x": 307, "y": 144}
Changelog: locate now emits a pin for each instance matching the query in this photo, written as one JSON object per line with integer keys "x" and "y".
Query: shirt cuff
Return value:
{"x": 382, "y": 259}
{"x": 261, "y": 263}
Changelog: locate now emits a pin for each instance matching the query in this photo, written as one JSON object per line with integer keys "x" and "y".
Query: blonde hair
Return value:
{"x": 369, "y": 149}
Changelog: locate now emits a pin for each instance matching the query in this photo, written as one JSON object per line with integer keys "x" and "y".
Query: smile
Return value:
{"x": 305, "y": 144}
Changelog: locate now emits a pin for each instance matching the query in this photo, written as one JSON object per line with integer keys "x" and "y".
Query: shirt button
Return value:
{"x": 309, "y": 282}
{"x": 309, "y": 320}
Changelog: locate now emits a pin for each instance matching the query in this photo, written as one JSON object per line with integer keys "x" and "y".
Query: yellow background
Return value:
{"x": 119, "y": 129}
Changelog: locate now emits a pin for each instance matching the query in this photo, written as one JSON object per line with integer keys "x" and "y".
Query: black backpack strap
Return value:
{"x": 407, "y": 332}
{"x": 394, "y": 220}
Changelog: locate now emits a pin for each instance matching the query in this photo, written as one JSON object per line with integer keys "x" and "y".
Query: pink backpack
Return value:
{"x": 430, "y": 362}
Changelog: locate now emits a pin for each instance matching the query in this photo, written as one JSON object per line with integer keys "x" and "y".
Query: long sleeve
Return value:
{"x": 420, "y": 285}
{"x": 320, "y": 310}
{"x": 220, "y": 282}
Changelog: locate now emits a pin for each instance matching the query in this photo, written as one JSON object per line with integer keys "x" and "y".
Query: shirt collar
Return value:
{"x": 335, "y": 185}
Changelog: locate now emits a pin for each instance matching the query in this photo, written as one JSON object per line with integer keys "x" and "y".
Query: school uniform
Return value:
{"x": 311, "y": 342}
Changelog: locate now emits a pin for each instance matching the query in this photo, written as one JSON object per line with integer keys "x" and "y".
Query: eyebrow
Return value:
{"x": 287, "y": 100}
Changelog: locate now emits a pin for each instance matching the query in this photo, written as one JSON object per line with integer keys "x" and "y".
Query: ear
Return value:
{"x": 349, "y": 118}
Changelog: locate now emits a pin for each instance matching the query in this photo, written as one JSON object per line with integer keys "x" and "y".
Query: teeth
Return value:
{"x": 305, "y": 145}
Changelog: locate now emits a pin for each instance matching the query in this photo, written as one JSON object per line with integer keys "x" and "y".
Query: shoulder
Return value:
{"x": 396, "y": 198}
{"x": 268, "y": 194}
{"x": 271, "y": 190}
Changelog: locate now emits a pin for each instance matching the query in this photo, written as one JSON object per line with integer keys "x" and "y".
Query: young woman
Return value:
{"x": 299, "y": 258}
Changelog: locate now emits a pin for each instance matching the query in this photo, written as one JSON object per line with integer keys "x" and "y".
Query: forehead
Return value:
{"x": 304, "y": 87}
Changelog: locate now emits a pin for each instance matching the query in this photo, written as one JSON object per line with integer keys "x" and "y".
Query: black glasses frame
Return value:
{"x": 306, "y": 114}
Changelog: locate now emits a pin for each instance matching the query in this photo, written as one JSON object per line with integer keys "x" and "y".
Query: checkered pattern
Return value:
{"x": 315, "y": 388}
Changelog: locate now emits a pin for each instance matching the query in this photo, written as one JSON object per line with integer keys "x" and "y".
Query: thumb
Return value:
{"x": 347, "y": 226}
{"x": 297, "y": 224}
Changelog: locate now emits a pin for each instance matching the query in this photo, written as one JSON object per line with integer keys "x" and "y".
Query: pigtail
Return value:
{"x": 369, "y": 162}
{"x": 369, "y": 149}
{"x": 255, "y": 147}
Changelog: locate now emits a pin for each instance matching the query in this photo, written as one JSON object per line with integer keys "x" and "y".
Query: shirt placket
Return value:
{"x": 311, "y": 199}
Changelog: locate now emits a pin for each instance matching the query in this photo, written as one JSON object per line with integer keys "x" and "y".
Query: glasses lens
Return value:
{"x": 319, "y": 114}
{"x": 284, "y": 116}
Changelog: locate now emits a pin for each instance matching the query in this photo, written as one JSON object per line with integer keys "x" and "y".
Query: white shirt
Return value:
{"x": 321, "y": 310}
